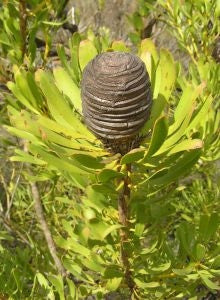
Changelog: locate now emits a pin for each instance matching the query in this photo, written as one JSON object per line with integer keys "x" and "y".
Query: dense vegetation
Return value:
{"x": 61, "y": 234}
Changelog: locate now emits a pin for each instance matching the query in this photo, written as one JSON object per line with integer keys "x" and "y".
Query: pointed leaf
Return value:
{"x": 158, "y": 137}
{"x": 66, "y": 85}
{"x": 157, "y": 109}
{"x": 74, "y": 47}
{"x": 182, "y": 166}
{"x": 199, "y": 117}
{"x": 168, "y": 73}
{"x": 186, "y": 145}
{"x": 107, "y": 174}
{"x": 185, "y": 105}
{"x": 132, "y": 156}
{"x": 119, "y": 46}
{"x": 87, "y": 52}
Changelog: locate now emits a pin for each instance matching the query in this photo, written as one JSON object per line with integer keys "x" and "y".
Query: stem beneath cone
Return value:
{"x": 123, "y": 212}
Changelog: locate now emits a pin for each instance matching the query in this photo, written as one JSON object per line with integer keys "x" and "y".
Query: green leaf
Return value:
{"x": 93, "y": 265}
{"x": 42, "y": 280}
{"x": 64, "y": 130}
{"x": 208, "y": 226}
{"x": 57, "y": 282}
{"x": 99, "y": 230}
{"x": 67, "y": 86}
{"x": 17, "y": 93}
{"x": 157, "y": 109}
{"x": 203, "y": 226}
{"x": 168, "y": 73}
{"x": 171, "y": 140}
{"x": 66, "y": 64}
{"x": 182, "y": 166}
{"x": 22, "y": 84}
{"x": 119, "y": 46}
{"x": 156, "y": 82}
{"x": 216, "y": 262}
{"x": 71, "y": 244}
{"x": 61, "y": 164}
{"x": 25, "y": 157}
{"x": 24, "y": 135}
{"x": 72, "y": 289}
{"x": 185, "y": 271}
{"x": 200, "y": 251}
{"x": 59, "y": 108}
{"x": 132, "y": 156}
{"x": 186, "y": 145}
{"x": 146, "y": 285}
{"x": 112, "y": 271}
{"x": 161, "y": 268}
{"x": 186, "y": 235}
{"x": 87, "y": 52}
{"x": 107, "y": 174}
{"x": 88, "y": 161}
{"x": 148, "y": 54}
{"x": 158, "y": 137}
{"x": 32, "y": 124}
{"x": 66, "y": 167}
{"x": 113, "y": 284}
{"x": 139, "y": 229}
{"x": 214, "y": 222}
{"x": 185, "y": 105}
{"x": 74, "y": 63}
{"x": 110, "y": 229}
{"x": 199, "y": 117}
{"x": 210, "y": 284}
{"x": 35, "y": 90}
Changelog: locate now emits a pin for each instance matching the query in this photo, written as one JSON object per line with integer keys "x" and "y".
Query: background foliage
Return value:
{"x": 174, "y": 211}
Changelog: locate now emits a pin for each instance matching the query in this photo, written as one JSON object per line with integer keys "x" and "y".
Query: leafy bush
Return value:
{"x": 171, "y": 246}
{"x": 161, "y": 257}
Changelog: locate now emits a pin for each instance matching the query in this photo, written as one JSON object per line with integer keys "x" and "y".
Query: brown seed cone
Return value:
{"x": 116, "y": 99}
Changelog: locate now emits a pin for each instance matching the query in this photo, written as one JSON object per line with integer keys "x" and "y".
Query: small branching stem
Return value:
{"x": 45, "y": 228}
{"x": 23, "y": 25}
{"x": 123, "y": 214}
{"x": 43, "y": 223}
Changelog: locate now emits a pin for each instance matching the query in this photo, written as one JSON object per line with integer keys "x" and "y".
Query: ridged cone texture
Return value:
{"x": 116, "y": 98}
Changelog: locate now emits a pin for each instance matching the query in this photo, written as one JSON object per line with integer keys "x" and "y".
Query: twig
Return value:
{"x": 23, "y": 25}
{"x": 123, "y": 214}
{"x": 43, "y": 223}
{"x": 10, "y": 228}
{"x": 44, "y": 226}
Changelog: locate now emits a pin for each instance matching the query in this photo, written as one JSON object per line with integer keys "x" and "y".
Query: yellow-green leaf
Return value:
{"x": 66, "y": 85}
{"x": 119, "y": 46}
{"x": 158, "y": 137}
{"x": 132, "y": 156}
{"x": 87, "y": 52}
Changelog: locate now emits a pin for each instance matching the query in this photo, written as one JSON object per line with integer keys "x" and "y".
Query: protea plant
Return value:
{"x": 116, "y": 165}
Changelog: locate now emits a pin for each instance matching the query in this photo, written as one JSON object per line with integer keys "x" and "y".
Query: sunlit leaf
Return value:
{"x": 66, "y": 85}
{"x": 159, "y": 135}
{"x": 87, "y": 52}
{"x": 119, "y": 46}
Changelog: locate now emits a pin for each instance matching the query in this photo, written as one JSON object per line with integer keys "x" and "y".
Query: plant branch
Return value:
{"x": 43, "y": 223}
{"x": 23, "y": 25}
{"x": 12, "y": 230}
{"x": 45, "y": 228}
{"x": 123, "y": 214}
